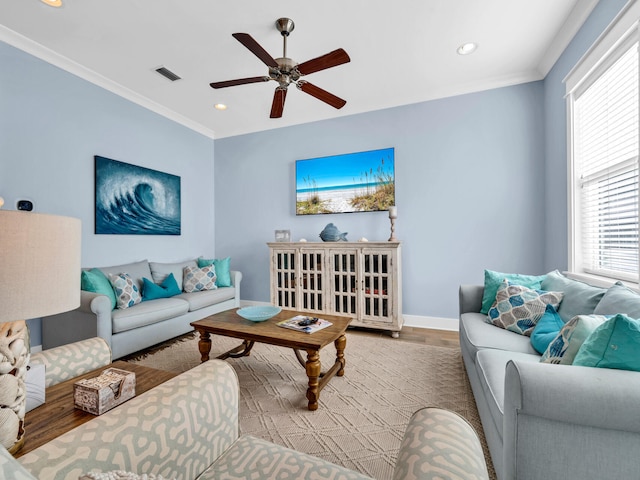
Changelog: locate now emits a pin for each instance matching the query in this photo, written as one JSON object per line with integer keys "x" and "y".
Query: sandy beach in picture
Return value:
{"x": 336, "y": 200}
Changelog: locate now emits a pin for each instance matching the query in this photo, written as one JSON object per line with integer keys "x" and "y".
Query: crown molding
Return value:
{"x": 572, "y": 24}
{"x": 43, "y": 53}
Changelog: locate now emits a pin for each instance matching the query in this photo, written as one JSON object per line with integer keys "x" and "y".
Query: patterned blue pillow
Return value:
{"x": 127, "y": 293}
{"x": 564, "y": 348}
{"x": 197, "y": 279}
{"x": 518, "y": 308}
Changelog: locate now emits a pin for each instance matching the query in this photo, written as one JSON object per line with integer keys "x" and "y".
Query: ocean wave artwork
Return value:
{"x": 133, "y": 200}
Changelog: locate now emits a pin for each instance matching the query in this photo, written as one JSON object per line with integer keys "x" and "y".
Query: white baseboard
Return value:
{"x": 417, "y": 321}
{"x": 35, "y": 348}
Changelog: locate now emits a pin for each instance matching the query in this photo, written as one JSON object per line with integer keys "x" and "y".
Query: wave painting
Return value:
{"x": 132, "y": 200}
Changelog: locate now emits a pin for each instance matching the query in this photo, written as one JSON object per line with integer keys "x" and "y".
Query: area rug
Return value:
{"x": 361, "y": 416}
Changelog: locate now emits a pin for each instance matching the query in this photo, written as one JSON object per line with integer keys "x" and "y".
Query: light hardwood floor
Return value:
{"x": 438, "y": 338}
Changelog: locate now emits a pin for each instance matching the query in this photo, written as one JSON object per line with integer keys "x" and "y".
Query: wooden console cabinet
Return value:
{"x": 361, "y": 280}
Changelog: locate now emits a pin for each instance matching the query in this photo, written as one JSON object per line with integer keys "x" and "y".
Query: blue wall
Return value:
{"x": 52, "y": 123}
{"x": 469, "y": 191}
{"x": 555, "y": 120}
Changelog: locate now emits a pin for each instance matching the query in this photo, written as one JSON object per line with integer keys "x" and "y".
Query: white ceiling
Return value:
{"x": 402, "y": 52}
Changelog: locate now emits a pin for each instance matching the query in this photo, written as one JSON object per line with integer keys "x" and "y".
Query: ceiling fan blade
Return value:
{"x": 239, "y": 81}
{"x": 331, "y": 59}
{"x": 278, "y": 102}
{"x": 321, "y": 94}
{"x": 248, "y": 41}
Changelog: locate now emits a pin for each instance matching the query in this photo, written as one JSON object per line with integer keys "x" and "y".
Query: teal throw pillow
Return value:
{"x": 168, "y": 288}
{"x": 492, "y": 281}
{"x": 546, "y": 329}
{"x": 95, "y": 281}
{"x": 619, "y": 299}
{"x": 579, "y": 298}
{"x": 614, "y": 344}
{"x": 223, "y": 269}
{"x": 519, "y": 308}
{"x": 564, "y": 348}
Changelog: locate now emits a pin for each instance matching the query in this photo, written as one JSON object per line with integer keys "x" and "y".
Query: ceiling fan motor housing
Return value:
{"x": 286, "y": 73}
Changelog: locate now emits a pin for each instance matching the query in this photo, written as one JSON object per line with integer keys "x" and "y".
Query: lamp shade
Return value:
{"x": 39, "y": 265}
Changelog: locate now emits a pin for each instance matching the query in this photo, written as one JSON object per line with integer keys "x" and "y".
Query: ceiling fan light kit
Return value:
{"x": 286, "y": 71}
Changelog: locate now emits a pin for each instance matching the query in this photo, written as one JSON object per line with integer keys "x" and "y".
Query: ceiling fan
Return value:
{"x": 286, "y": 71}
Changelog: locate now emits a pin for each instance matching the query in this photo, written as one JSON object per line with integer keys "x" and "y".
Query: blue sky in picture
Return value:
{"x": 346, "y": 170}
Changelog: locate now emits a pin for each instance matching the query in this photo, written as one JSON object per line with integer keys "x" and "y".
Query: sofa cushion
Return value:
{"x": 95, "y": 281}
{"x": 147, "y": 313}
{"x": 251, "y": 457}
{"x": 160, "y": 271}
{"x": 168, "y": 288}
{"x": 518, "y": 308}
{"x": 493, "y": 280}
{"x": 579, "y": 298}
{"x": 546, "y": 329}
{"x": 127, "y": 292}
{"x": 477, "y": 334}
{"x": 223, "y": 269}
{"x": 619, "y": 299}
{"x": 198, "y": 279}
{"x": 137, "y": 271}
{"x": 564, "y": 348}
{"x": 198, "y": 300}
{"x": 490, "y": 366}
{"x": 613, "y": 344}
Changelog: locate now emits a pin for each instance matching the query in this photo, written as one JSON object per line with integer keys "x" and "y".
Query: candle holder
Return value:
{"x": 393, "y": 214}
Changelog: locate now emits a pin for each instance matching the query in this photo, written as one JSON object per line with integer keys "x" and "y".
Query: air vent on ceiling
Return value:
{"x": 165, "y": 72}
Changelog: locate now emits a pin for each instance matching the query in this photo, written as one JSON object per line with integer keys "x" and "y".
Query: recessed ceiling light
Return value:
{"x": 53, "y": 3}
{"x": 467, "y": 48}
{"x": 220, "y": 106}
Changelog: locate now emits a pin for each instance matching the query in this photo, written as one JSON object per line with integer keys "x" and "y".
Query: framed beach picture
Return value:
{"x": 132, "y": 200}
{"x": 352, "y": 182}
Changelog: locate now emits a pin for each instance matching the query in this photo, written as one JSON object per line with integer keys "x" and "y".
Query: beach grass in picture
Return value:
{"x": 132, "y": 200}
{"x": 353, "y": 182}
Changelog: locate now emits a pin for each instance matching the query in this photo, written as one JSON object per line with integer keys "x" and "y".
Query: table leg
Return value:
{"x": 204, "y": 345}
{"x": 313, "y": 372}
{"x": 341, "y": 344}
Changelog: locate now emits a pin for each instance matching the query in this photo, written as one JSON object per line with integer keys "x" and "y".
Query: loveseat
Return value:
{"x": 551, "y": 420}
{"x": 128, "y": 330}
{"x": 187, "y": 428}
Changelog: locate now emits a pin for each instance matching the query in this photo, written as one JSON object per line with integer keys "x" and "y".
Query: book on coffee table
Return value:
{"x": 304, "y": 323}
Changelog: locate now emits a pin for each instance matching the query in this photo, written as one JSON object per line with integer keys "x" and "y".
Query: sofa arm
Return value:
{"x": 470, "y": 298}
{"x": 440, "y": 444}
{"x": 177, "y": 430}
{"x": 69, "y": 361}
{"x": 582, "y": 421}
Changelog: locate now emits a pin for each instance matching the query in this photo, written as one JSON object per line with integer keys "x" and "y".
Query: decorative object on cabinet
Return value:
{"x": 353, "y": 182}
{"x": 50, "y": 246}
{"x": 360, "y": 280}
{"x": 332, "y": 234}
{"x": 393, "y": 214}
{"x": 283, "y": 235}
{"x": 132, "y": 200}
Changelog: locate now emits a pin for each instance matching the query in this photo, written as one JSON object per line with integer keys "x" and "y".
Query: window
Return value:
{"x": 604, "y": 147}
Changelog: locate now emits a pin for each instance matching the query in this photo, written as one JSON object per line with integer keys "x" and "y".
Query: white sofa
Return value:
{"x": 150, "y": 322}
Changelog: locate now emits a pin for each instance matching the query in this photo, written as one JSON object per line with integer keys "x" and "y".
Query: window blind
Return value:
{"x": 605, "y": 146}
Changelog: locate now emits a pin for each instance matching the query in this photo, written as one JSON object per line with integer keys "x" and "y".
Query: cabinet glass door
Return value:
{"x": 284, "y": 263}
{"x": 344, "y": 279}
{"x": 311, "y": 280}
{"x": 376, "y": 282}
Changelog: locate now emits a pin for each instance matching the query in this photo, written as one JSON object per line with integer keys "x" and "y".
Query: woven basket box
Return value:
{"x": 109, "y": 389}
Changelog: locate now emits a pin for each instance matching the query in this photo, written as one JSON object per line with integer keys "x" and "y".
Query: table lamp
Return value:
{"x": 39, "y": 276}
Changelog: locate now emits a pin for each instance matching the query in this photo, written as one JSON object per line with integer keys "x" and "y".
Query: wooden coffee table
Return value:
{"x": 230, "y": 324}
{"x": 58, "y": 414}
